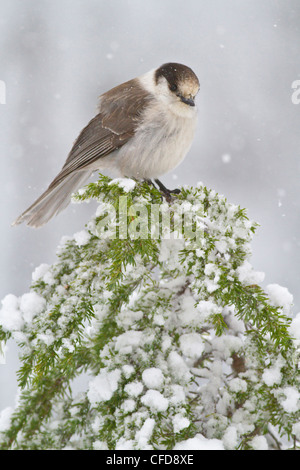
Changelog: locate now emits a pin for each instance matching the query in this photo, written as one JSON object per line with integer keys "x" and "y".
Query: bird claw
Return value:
{"x": 165, "y": 192}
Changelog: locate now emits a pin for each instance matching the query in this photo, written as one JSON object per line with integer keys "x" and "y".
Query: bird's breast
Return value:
{"x": 160, "y": 143}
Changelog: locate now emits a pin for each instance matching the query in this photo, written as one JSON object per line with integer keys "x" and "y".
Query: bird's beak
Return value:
{"x": 190, "y": 101}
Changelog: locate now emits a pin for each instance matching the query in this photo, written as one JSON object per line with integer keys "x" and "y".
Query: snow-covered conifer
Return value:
{"x": 157, "y": 305}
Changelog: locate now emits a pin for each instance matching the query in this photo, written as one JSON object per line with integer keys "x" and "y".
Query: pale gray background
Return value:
{"x": 57, "y": 56}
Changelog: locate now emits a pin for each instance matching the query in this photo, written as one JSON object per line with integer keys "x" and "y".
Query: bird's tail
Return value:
{"x": 53, "y": 200}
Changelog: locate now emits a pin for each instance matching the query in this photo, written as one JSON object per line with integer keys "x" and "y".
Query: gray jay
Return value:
{"x": 143, "y": 129}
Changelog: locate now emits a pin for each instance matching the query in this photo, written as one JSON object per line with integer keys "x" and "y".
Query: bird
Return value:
{"x": 143, "y": 129}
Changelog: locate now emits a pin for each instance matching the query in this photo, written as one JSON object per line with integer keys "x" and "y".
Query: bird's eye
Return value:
{"x": 173, "y": 87}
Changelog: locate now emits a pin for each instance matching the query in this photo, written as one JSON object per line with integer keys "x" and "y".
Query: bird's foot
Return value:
{"x": 166, "y": 193}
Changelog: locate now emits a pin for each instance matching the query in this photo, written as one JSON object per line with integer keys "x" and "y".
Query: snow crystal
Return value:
{"x": 216, "y": 369}
{"x": 188, "y": 314}
{"x": 210, "y": 268}
{"x": 191, "y": 345}
{"x": 178, "y": 394}
{"x": 97, "y": 423}
{"x": 259, "y": 443}
{"x": 166, "y": 343}
{"x": 294, "y": 328}
{"x": 224, "y": 403}
{"x": 128, "y": 341}
{"x": 62, "y": 244}
{"x": 207, "y": 308}
{"x": 248, "y": 276}
{"x": 296, "y": 430}
{"x": 178, "y": 367}
{"x": 67, "y": 343}
{"x": 280, "y": 297}
{"x": 169, "y": 251}
{"x": 47, "y": 338}
{"x": 145, "y": 433}
{"x": 128, "y": 317}
{"x": 230, "y": 438}
{"x": 134, "y": 389}
{"x": 128, "y": 406}
{"x": 100, "y": 445}
{"x": 11, "y": 318}
{"x": 125, "y": 183}
{"x": 272, "y": 376}
{"x": 228, "y": 344}
{"x": 127, "y": 370}
{"x": 199, "y": 442}
{"x": 82, "y": 238}
{"x": 238, "y": 385}
{"x": 31, "y": 304}
{"x": 102, "y": 387}
{"x": 232, "y": 321}
{"x": 153, "y": 378}
{"x": 104, "y": 207}
{"x": 211, "y": 285}
{"x": 226, "y": 158}
{"x": 290, "y": 404}
{"x": 125, "y": 444}
{"x": 158, "y": 319}
{"x": 155, "y": 401}
{"x": 43, "y": 273}
{"x": 180, "y": 422}
{"x": 241, "y": 232}
{"x": 20, "y": 337}
{"x": 5, "y": 416}
{"x": 221, "y": 246}
{"x": 173, "y": 283}
{"x": 241, "y": 418}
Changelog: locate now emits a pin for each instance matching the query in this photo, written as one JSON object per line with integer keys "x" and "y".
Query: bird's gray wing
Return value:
{"x": 116, "y": 122}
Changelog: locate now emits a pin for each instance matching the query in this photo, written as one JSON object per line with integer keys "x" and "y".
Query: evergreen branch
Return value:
{"x": 171, "y": 324}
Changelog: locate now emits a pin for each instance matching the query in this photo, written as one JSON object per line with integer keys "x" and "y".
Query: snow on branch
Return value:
{"x": 158, "y": 303}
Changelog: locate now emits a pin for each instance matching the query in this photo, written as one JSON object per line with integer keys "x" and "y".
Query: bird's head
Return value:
{"x": 177, "y": 85}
